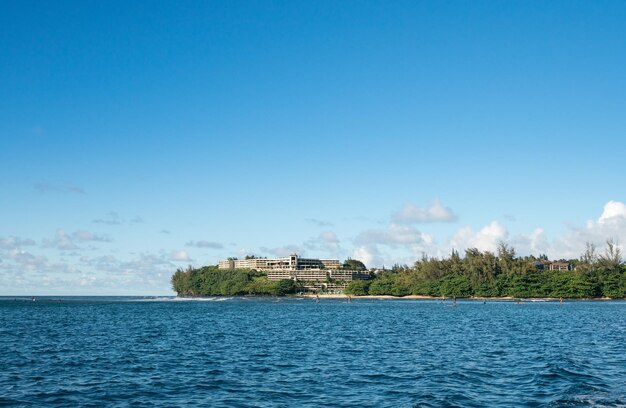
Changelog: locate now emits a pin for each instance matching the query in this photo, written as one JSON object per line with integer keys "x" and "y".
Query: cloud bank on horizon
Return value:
{"x": 64, "y": 265}
{"x": 611, "y": 224}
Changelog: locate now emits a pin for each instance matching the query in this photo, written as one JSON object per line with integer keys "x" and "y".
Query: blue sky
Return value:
{"x": 139, "y": 137}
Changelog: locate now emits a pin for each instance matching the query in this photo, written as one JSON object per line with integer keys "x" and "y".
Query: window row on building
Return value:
{"x": 292, "y": 262}
{"x": 317, "y": 275}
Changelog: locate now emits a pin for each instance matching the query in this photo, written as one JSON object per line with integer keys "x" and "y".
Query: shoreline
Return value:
{"x": 427, "y": 297}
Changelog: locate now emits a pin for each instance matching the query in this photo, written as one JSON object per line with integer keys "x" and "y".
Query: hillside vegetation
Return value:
{"x": 211, "y": 281}
{"x": 502, "y": 274}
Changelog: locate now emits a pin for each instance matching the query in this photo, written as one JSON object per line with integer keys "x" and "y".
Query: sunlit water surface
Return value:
{"x": 234, "y": 352}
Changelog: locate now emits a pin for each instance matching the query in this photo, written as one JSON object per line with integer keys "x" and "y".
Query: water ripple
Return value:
{"x": 231, "y": 352}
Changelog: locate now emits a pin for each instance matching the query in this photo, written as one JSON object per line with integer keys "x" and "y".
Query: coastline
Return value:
{"x": 426, "y": 297}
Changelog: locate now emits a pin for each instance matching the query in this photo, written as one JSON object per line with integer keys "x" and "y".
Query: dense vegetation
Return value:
{"x": 354, "y": 265}
{"x": 476, "y": 274}
{"x": 211, "y": 281}
{"x": 502, "y": 274}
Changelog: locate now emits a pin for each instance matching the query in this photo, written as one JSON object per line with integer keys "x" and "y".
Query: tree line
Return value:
{"x": 502, "y": 273}
{"x": 212, "y": 281}
{"x": 477, "y": 273}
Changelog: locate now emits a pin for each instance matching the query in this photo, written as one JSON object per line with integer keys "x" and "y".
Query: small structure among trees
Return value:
{"x": 484, "y": 273}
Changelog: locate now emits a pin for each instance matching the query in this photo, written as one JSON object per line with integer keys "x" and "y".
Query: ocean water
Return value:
{"x": 262, "y": 352}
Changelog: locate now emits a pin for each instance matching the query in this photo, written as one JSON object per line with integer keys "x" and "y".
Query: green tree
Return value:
{"x": 455, "y": 285}
{"x": 358, "y": 288}
{"x": 354, "y": 264}
{"x": 285, "y": 287}
{"x": 611, "y": 261}
{"x": 588, "y": 260}
{"x": 384, "y": 285}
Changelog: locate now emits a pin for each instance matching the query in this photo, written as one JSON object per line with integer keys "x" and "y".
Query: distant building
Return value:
{"x": 560, "y": 266}
{"x": 314, "y": 274}
{"x": 292, "y": 263}
{"x": 542, "y": 264}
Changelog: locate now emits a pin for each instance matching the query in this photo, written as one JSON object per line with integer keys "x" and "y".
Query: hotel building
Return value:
{"x": 315, "y": 274}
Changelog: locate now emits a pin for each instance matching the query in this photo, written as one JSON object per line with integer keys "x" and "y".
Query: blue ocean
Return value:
{"x": 295, "y": 352}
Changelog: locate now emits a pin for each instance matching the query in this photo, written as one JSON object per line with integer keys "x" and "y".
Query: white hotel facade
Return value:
{"x": 314, "y": 273}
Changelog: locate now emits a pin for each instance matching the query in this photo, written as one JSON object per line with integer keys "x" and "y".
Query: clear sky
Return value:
{"x": 138, "y": 137}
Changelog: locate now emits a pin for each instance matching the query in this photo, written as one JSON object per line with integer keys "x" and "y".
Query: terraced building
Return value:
{"x": 313, "y": 274}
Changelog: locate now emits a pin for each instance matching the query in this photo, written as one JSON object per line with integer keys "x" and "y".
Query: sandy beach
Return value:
{"x": 408, "y": 297}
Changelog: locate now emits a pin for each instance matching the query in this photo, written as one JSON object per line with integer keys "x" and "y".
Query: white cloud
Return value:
{"x": 535, "y": 243}
{"x": 82, "y": 235}
{"x": 61, "y": 241}
{"x": 319, "y": 223}
{"x": 610, "y": 225}
{"x": 86, "y": 280}
{"x": 144, "y": 266}
{"x": 394, "y": 235}
{"x": 66, "y": 242}
{"x": 400, "y": 242}
{"x": 326, "y": 242}
{"x": 136, "y": 220}
{"x": 486, "y": 239}
{"x": 368, "y": 254}
{"x": 112, "y": 218}
{"x": 435, "y": 213}
{"x": 15, "y": 242}
{"x": 614, "y": 211}
{"x": 284, "y": 251}
{"x": 180, "y": 256}
{"x": 27, "y": 260}
{"x": 205, "y": 244}
{"x": 58, "y": 188}
{"x": 329, "y": 237}
{"x": 404, "y": 242}
{"x": 28, "y": 273}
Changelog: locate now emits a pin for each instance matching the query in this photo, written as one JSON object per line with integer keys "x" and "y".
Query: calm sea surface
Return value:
{"x": 235, "y": 352}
